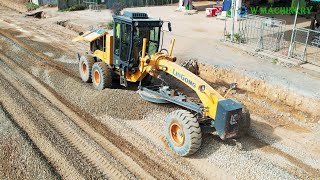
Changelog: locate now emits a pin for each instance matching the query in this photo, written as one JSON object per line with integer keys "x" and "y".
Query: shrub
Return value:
{"x": 228, "y": 35}
{"x": 31, "y": 6}
{"x": 237, "y": 37}
{"x": 110, "y": 25}
{"x": 274, "y": 60}
{"x": 77, "y": 7}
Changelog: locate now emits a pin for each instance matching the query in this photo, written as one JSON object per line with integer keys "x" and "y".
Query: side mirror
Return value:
{"x": 81, "y": 33}
{"x": 233, "y": 86}
{"x": 169, "y": 26}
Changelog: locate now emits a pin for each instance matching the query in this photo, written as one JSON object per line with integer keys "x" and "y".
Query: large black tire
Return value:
{"x": 101, "y": 76}
{"x": 183, "y": 132}
{"x": 85, "y": 66}
{"x": 245, "y": 122}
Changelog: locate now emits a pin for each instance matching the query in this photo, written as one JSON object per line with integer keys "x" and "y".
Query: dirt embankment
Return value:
{"x": 18, "y": 5}
{"x": 261, "y": 88}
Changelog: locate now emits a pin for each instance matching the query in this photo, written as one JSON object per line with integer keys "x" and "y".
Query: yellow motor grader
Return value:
{"x": 133, "y": 54}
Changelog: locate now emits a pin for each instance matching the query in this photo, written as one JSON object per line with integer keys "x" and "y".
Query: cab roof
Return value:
{"x": 142, "y": 18}
{"x": 91, "y": 35}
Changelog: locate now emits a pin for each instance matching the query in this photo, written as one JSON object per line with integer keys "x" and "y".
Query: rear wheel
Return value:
{"x": 85, "y": 66}
{"x": 101, "y": 76}
{"x": 183, "y": 132}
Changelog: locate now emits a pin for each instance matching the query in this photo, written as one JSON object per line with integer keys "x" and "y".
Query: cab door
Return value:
{"x": 122, "y": 44}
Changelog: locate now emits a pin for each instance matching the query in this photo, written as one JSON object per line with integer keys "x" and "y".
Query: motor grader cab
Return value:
{"x": 128, "y": 32}
{"x": 132, "y": 54}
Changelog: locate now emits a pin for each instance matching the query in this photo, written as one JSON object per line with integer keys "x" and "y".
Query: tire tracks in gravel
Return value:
{"x": 62, "y": 165}
{"x": 47, "y": 60}
{"x": 138, "y": 156}
{"x": 66, "y": 170}
{"x": 155, "y": 136}
{"x": 88, "y": 151}
{"x": 107, "y": 145}
{"x": 13, "y": 101}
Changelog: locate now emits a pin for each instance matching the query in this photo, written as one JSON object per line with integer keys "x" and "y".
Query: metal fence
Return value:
{"x": 44, "y": 2}
{"x": 306, "y": 45}
{"x": 137, "y": 3}
{"x": 64, "y": 4}
{"x": 262, "y": 33}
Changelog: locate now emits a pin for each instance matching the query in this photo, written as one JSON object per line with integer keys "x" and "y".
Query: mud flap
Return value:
{"x": 228, "y": 118}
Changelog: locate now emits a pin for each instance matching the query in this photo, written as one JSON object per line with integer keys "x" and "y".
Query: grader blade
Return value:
{"x": 151, "y": 97}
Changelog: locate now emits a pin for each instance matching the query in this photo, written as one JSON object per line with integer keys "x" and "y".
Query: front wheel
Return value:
{"x": 183, "y": 132}
{"x": 101, "y": 76}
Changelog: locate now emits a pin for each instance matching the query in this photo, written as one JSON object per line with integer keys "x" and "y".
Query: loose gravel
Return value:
{"x": 19, "y": 157}
{"x": 136, "y": 126}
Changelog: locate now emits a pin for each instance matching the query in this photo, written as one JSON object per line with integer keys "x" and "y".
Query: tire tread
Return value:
{"x": 193, "y": 129}
{"x": 106, "y": 75}
{"x": 89, "y": 61}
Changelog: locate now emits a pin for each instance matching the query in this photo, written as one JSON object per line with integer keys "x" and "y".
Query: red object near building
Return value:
{"x": 219, "y": 8}
{"x": 211, "y": 12}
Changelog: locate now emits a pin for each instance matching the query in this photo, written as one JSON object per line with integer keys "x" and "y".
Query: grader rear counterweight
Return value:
{"x": 131, "y": 54}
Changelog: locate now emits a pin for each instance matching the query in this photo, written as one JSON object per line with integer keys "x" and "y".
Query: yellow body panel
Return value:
{"x": 109, "y": 48}
{"x": 163, "y": 62}
{"x": 136, "y": 76}
{"x": 107, "y": 54}
{"x": 101, "y": 55}
{"x": 209, "y": 97}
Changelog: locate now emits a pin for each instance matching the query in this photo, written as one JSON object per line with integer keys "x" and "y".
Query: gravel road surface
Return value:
{"x": 74, "y": 131}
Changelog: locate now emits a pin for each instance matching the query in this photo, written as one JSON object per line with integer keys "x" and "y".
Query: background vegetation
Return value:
{"x": 31, "y": 6}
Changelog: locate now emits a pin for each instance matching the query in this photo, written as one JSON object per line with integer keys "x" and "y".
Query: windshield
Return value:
{"x": 152, "y": 35}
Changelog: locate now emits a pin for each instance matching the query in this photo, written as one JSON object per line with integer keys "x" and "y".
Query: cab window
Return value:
{"x": 125, "y": 41}
{"x": 117, "y": 39}
{"x": 154, "y": 40}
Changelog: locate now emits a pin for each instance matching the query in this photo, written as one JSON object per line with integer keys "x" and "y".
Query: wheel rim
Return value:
{"x": 96, "y": 77}
{"x": 84, "y": 68}
{"x": 177, "y": 134}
